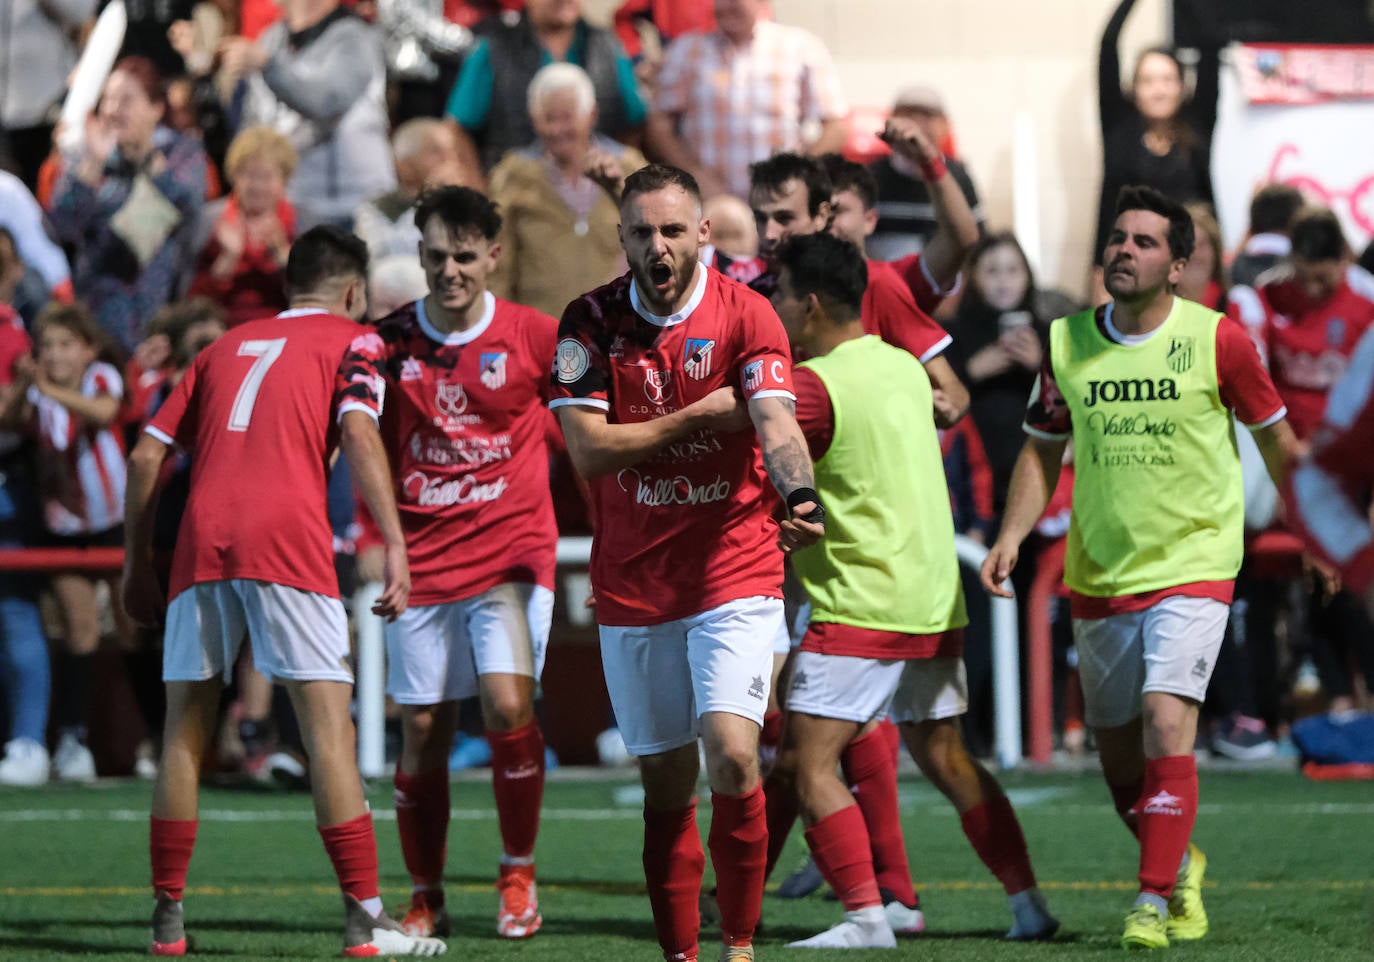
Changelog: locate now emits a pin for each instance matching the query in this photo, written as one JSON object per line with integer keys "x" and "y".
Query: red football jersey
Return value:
{"x": 890, "y": 312}
{"x": 259, "y": 409}
{"x": 690, "y": 528}
{"x": 465, "y": 433}
{"x": 912, "y": 271}
{"x": 1308, "y": 347}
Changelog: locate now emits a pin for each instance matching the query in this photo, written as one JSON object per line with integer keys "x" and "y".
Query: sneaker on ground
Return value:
{"x": 736, "y": 953}
{"x": 802, "y": 882}
{"x": 288, "y": 771}
{"x": 25, "y": 764}
{"x": 1031, "y": 920}
{"x": 903, "y": 919}
{"x": 426, "y": 921}
{"x": 470, "y": 752}
{"x": 169, "y": 927}
{"x": 861, "y": 929}
{"x": 73, "y": 761}
{"x": 1187, "y": 916}
{"x": 1244, "y": 739}
{"x": 1145, "y": 929}
{"x": 145, "y": 760}
{"x": 367, "y": 936}
{"x": 518, "y": 917}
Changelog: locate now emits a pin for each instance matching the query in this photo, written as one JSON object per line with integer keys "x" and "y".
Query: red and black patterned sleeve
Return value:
{"x": 581, "y": 371}
{"x": 1047, "y": 414}
{"x": 360, "y": 385}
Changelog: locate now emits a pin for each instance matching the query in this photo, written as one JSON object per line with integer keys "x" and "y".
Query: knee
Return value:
{"x": 1164, "y": 735}
{"x": 733, "y": 766}
{"x": 507, "y": 711}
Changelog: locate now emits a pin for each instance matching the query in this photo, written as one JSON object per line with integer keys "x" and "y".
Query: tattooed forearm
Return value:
{"x": 788, "y": 465}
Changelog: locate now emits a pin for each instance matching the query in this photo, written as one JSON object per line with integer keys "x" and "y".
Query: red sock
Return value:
{"x": 170, "y": 843}
{"x": 739, "y": 854}
{"x": 995, "y": 833}
{"x": 673, "y": 865}
{"x": 517, "y": 778}
{"x": 352, "y": 847}
{"x": 1168, "y": 807}
{"x": 780, "y": 812}
{"x": 892, "y": 736}
{"x": 771, "y": 735}
{"x": 422, "y": 814}
{"x": 870, "y": 768}
{"x": 839, "y": 844}
{"x": 1125, "y": 797}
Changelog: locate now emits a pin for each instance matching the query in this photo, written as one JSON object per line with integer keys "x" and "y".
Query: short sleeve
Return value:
{"x": 542, "y": 335}
{"x": 822, "y": 93}
{"x": 815, "y": 413}
{"x": 175, "y": 421}
{"x": 674, "y": 77}
{"x": 916, "y": 275}
{"x": 469, "y": 104}
{"x": 1047, "y": 414}
{"x": 1243, "y": 383}
{"x": 765, "y": 357}
{"x": 890, "y": 308}
{"x": 580, "y": 372}
{"x": 359, "y": 384}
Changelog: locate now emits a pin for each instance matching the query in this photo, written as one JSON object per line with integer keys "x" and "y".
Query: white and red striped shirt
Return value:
{"x": 81, "y": 466}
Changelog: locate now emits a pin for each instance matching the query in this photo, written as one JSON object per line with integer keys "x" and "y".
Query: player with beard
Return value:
{"x": 1146, "y": 387}
{"x": 468, "y": 374}
{"x": 685, "y": 561}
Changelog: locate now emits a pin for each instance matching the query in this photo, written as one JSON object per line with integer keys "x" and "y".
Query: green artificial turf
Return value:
{"x": 1290, "y": 876}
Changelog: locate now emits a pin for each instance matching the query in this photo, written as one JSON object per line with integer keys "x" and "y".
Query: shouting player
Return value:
{"x": 685, "y": 561}
{"x": 1145, "y": 387}
{"x": 468, "y": 375}
{"x": 261, "y": 410}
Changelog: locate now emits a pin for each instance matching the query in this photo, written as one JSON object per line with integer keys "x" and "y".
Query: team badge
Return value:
{"x": 753, "y": 375}
{"x": 450, "y": 398}
{"x": 493, "y": 369}
{"x": 697, "y": 356}
{"x": 658, "y": 385}
{"x": 572, "y": 360}
{"x": 1180, "y": 356}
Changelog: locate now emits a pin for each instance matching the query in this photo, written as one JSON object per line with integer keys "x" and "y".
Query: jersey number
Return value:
{"x": 266, "y": 353}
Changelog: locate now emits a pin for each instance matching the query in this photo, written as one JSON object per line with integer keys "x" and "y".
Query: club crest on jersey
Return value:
{"x": 450, "y": 398}
{"x": 572, "y": 360}
{"x": 697, "y": 356}
{"x": 658, "y": 385}
{"x": 1180, "y": 356}
{"x": 493, "y": 369}
{"x": 412, "y": 370}
{"x": 753, "y": 375}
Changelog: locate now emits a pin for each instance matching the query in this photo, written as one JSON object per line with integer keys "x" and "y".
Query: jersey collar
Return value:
{"x": 661, "y": 321}
{"x": 458, "y": 337}
{"x": 1130, "y": 340}
{"x": 302, "y": 312}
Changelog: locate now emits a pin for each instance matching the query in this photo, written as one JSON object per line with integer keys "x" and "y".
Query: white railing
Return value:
{"x": 371, "y": 691}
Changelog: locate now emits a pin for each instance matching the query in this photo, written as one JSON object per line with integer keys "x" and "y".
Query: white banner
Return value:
{"x": 1324, "y": 147}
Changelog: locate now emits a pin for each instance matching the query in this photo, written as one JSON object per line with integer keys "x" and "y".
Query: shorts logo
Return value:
{"x": 1180, "y": 356}
{"x": 698, "y": 357}
{"x": 756, "y": 687}
{"x": 799, "y": 680}
{"x": 658, "y": 385}
{"x": 450, "y": 398}
{"x": 1162, "y": 803}
{"x": 493, "y": 369}
{"x": 572, "y": 360}
{"x": 412, "y": 370}
{"x": 753, "y": 375}
{"x": 1200, "y": 668}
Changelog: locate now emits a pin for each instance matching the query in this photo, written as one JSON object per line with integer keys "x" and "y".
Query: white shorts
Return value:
{"x": 436, "y": 653}
{"x": 296, "y": 635}
{"x": 1170, "y": 647}
{"x": 796, "y": 618}
{"x": 862, "y": 689}
{"x": 663, "y": 678}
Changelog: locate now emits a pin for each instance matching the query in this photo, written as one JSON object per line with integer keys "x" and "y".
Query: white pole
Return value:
{"x": 1025, "y": 190}
{"x": 371, "y": 684}
{"x": 89, "y": 75}
{"x": 1006, "y": 662}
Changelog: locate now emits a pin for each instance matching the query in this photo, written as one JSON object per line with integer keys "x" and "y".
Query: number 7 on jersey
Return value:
{"x": 266, "y": 353}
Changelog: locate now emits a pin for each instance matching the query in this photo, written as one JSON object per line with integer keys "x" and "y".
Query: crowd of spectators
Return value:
{"x": 225, "y": 129}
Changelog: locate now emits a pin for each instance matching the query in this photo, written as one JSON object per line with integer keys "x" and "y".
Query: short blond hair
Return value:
{"x": 260, "y": 141}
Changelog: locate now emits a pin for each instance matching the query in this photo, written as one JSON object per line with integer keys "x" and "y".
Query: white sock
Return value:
{"x": 1158, "y": 901}
{"x": 516, "y": 859}
{"x": 868, "y": 916}
{"x": 372, "y": 906}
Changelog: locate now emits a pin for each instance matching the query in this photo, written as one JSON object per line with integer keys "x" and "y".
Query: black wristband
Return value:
{"x": 801, "y": 495}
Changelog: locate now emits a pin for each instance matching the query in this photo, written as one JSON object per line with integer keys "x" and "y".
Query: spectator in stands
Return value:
{"x": 426, "y": 154}
{"x": 741, "y": 93}
{"x": 1272, "y": 209}
{"x": 149, "y": 33}
{"x": 319, "y": 77}
{"x": 549, "y": 204}
{"x": 1204, "y": 279}
{"x": 488, "y": 102}
{"x": 21, "y": 216}
{"x": 21, "y": 288}
{"x": 733, "y": 231}
{"x": 242, "y": 262}
{"x": 24, "y": 666}
{"x": 666, "y": 20}
{"x": 423, "y": 49}
{"x": 908, "y": 218}
{"x": 129, "y": 203}
{"x": 37, "y": 53}
{"x": 70, "y": 400}
{"x": 1155, "y": 135}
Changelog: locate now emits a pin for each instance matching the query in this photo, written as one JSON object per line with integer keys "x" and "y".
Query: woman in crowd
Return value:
{"x": 550, "y": 206}
{"x": 128, "y": 203}
{"x": 242, "y": 264}
{"x": 1204, "y": 279}
{"x": 70, "y": 402}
